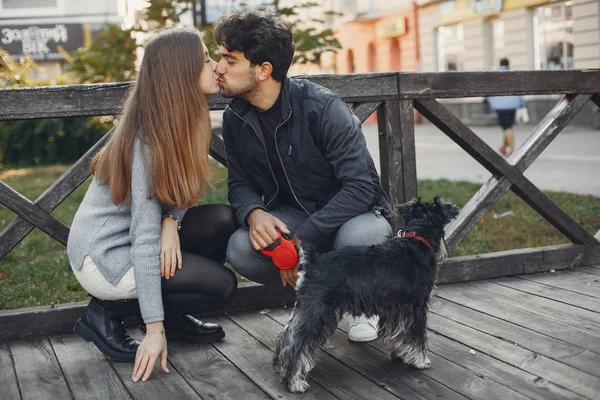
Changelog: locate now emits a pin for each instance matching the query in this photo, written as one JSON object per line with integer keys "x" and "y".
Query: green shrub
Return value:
{"x": 49, "y": 141}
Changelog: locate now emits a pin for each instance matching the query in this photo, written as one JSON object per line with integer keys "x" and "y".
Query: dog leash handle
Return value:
{"x": 283, "y": 254}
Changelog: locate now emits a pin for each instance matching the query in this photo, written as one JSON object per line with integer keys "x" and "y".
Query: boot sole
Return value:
{"x": 84, "y": 332}
{"x": 182, "y": 337}
{"x": 207, "y": 339}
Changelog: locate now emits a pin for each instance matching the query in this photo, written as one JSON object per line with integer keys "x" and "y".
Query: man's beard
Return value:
{"x": 244, "y": 89}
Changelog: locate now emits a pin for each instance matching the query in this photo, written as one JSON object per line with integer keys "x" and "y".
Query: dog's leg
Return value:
{"x": 410, "y": 339}
{"x": 296, "y": 348}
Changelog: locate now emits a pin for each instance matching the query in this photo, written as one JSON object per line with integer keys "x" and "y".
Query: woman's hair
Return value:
{"x": 262, "y": 36}
{"x": 167, "y": 111}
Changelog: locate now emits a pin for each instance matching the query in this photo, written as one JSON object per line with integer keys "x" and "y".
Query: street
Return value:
{"x": 571, "y": 163}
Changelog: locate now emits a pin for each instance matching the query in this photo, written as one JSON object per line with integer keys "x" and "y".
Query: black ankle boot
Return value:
{"x": 105, "y": 328}
{"x": 188, "y": 329}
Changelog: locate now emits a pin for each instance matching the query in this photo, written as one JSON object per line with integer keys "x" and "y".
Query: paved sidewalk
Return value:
{"x": 571, "y": 163}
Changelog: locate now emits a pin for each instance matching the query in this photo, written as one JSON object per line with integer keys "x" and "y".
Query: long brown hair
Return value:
{"x": 168, "y": 112}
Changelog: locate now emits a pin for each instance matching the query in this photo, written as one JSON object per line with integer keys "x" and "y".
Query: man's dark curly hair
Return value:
{"x": 262, "y": 36}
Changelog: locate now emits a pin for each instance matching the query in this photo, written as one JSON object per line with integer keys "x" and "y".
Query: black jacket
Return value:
{"x": 324, "y": 156}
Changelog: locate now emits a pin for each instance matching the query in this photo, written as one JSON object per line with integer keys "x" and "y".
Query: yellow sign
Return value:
{"x": 390, "y": 28}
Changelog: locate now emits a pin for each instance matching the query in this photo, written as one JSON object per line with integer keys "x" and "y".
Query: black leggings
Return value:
{"x": 203, "y": 283}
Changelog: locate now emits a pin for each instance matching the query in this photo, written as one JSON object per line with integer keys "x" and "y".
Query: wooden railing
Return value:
{"x": 394, "y": 95}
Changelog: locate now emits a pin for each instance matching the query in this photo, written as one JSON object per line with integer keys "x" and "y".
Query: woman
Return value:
{"x": 129, "y": 235}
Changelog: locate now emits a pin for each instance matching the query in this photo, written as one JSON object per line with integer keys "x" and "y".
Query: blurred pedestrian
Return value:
{"x": 506, "y": 108}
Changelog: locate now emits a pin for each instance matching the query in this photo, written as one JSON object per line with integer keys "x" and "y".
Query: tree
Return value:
{"x": 110, "y": 59}
{"x": 311, "y": 41}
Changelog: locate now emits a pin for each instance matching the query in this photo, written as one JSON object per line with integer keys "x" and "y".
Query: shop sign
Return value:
{"x": 41, "y": 41}
{"x": 486, "y": 6}
{"x": 390, "y": 28}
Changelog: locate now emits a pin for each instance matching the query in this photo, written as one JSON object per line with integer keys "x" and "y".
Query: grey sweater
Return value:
{"x": 118, "y": 237}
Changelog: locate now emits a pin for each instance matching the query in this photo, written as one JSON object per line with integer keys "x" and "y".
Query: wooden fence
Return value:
{"x": 394, "y": 95}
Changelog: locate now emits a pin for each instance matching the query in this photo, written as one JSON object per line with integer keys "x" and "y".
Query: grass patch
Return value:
{"x": 37, "y": 271}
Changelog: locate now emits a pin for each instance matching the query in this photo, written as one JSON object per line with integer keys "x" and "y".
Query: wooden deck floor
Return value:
{"x": 534, "y": 336}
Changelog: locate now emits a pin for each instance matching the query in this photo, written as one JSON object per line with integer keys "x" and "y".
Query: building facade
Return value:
{"x": 473, "y": 35}
{"x": 46, "y": 30}
{"x": 379, "y": 43}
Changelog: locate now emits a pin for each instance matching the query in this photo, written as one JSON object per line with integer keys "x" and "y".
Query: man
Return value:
{"x": 506, "y": 108}
{"x": 297, "y": 157}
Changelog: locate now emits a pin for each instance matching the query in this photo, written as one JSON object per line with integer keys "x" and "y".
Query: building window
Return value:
{"x": 494, "y": 42}
{"x": 372, "y": 57}
{"x": 395, "y": 54}
{"x": 350, "y": 60}
{"x": 450, "y": 48}
{"x": 10, "y": 4}
{"x": 553, "y": 38}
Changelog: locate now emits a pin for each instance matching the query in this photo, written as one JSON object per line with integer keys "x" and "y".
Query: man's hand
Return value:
{"x": 262, "y": 228}
{"x": 290, "y": 276}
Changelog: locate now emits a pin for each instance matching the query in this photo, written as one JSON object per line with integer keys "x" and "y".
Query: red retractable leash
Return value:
{"x": 283, "y": 252}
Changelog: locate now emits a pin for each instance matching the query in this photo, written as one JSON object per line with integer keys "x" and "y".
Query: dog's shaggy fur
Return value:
{"x": 393, "y": 280}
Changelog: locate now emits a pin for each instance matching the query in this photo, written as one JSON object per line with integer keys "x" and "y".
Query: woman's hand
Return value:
{"x": 153, "y": 346}
{"x": 170, "y": 250}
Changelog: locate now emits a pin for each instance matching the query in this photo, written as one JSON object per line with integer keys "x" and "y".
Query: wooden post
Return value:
{"x": 397, "y": 153}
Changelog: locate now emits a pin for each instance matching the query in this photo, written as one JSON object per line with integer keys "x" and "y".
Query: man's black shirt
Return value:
{"x": 269, "y": 121}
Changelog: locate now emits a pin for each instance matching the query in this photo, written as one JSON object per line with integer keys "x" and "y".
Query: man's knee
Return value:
{"x": 239, "y": 248}
{"x": 363, "y": 230}
{"x": 248, "y": 262}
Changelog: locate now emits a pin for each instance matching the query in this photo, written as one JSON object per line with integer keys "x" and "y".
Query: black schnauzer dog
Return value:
{"x": 393, "y": 280}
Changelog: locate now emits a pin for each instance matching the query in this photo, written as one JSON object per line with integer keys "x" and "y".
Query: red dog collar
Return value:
{"x": 283, "y": 252}
{"x": 413, "y": 235}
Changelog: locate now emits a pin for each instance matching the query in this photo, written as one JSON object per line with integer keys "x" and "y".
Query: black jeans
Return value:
{"x": 203, "y": 283}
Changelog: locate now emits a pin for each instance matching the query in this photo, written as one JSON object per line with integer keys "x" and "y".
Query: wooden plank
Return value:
{"x": 493, "y": 190}
{"x": 87, "y": 371}
{"x": 217, "y": 147}
{"x": 574, "y": 380}
{"x": 564, "y": 352}
{"x": 563, "y": 257}
{"x": 573, "y": 280}
{"x": 398, "y": 167}
{"x": 159, "y": 386}
{"x": 591, "y": 270}
{"x": 70, "y": 180}
{"x": 393, "y": 376}
{"x": 514, "y": 262}
{"x": 107, "y": 98}
{"x": 210, "y": 374}
{"x": 470, "y": 384}
{"x": 507, "y": 310}
{"x": 8, "y": 378}
{"x": 334, "y": 376}
{"x": 38, "y": 372}
{"x": 524, "y": 382}
{"x": 359, "y": 87}
{"x": 364, "y": 110}
{"x": 497, "y": 165}
{"x": 254, "y": 360}
{"x": 33, "y": 214}
{"x": 552, "y": 293}
{"x": 59, "y": 319}
{"x": 574, "y": 316}
{"x": 596, "y": 100}
{"x": 495, "y": 83}
{"x": 483, "y": 266}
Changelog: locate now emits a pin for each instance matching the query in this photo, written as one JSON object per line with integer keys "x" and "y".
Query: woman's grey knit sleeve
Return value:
{"x": 146, "y": 219}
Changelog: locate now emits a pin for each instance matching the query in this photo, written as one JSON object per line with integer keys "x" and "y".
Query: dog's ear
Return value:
{"x": 449, "y": 210}
{"x": 406, "y": 209}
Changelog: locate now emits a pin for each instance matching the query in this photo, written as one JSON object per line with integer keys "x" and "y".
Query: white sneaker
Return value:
{"x": 362, "y": 329}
